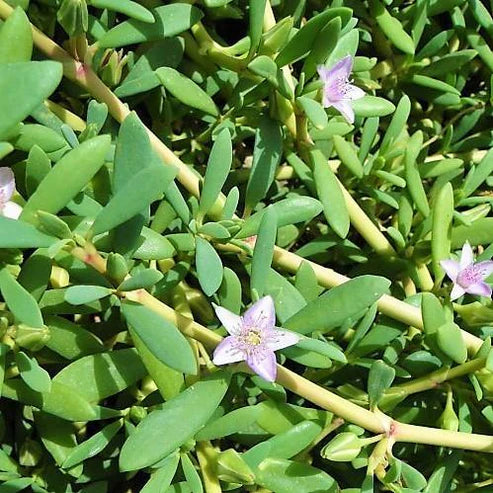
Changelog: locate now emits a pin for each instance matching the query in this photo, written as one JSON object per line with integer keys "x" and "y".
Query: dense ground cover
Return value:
{"x": 190, "y": 190}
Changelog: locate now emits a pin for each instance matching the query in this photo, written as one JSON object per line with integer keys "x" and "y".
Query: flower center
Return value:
{"x": 469, "y": 276}
{"x": 342, "y": 84}
{"x": 253, "y": 338}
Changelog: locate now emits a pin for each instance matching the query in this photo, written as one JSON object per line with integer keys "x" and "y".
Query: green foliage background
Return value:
{"x": 173, "y": 154}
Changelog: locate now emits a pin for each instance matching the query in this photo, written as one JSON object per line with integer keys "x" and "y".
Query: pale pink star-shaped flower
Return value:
{"x": 253, "y": 338}
{"x": 468, "y": 276}
{"x": 338, "y": 90}
{"x": 7, "y": 186}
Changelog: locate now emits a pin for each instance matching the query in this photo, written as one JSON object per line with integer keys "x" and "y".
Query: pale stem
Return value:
{"x": 85, "y": 76}
{"x": 469, "y": 488}
{"x": 409, "y": 286}
{"x": 206, "y": 454}
{"x": 444, "y": 438}
{"x": 283, "y": 173}
{"x": 388, "y": 305}
{"x": 425, "y": 280}
{"x": 365, "y": 226}
{"x": 437, "y": 377}
{"x": 72, "y": 120}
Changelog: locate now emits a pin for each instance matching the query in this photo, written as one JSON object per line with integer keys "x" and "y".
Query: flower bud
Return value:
{"x": 448, "y": 420}
{"x": 165, "y": 264}
{"x": 116, "y": 267}
{"x": 485, "y": 377}
{"x": 111, "y": 67}
{"x": 32, "y": 338}
{"x": 73, "y": 17}
{"x": 4, "y": 324}
{"x": 343, "y": 448}
{"x": 233, "y": 469}
{"x": 59, "y": 277}
{"x": 137, "y": 414}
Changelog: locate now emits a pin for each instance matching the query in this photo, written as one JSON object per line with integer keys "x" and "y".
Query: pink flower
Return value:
{"x": 338, "y": 90}
{"x": 253, "y": 338}
{"x": 467, "y": 276}
{"x": 7, "y": 187}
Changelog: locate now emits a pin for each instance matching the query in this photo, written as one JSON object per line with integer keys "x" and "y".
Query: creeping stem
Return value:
{"x": 375, "y": 422}
{"x": 437, "y": 377}
{"x": 85, "y": 76}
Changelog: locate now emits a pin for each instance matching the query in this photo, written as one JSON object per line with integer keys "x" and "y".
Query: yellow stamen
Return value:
{"x": 253, "y": 338}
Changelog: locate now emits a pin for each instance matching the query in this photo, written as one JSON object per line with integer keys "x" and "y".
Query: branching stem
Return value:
{"x": 374, "y": 422}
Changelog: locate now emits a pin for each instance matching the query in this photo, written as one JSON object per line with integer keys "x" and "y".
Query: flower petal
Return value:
{"x": 486, "y": 268}
{"x": 12, "y": 210}
{"x": 355, "y": 92}
{"x": 280, "y": 339}
{"x": 451, "y": 267}
{"x": 231, "y": 322}
{"x": 342, "y": 68}
{"x": 457, "y": 292}
{"x": 7, "y": 184}
{"x": 263, "y": 363}
{"x": 261, "y": 314}
{"x": 323, "y": 72}
{"x": 329, "y": 96}
{"x": 480, "y": 289}
{"x": 346, "y": 110}
{"x": 227, "y": 352}
{"x": 466, "y": 256}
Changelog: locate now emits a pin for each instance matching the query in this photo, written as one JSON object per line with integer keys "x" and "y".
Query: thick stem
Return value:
{"x": 207, "y": 460}
{"x": 365, "y": 227}
{"x": 434, "y": 379}
{"x": 373, "y": 422}
{"x": 443, "y": 438}
{"x": 72, "y": 120}
{"x": 288, "y": 261}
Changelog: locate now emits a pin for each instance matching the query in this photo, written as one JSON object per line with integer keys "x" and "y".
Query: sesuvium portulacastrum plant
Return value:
{"x": 178, "y": 179}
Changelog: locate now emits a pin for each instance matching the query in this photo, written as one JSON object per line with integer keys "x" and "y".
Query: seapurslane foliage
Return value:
{"x": 245, "y": 246}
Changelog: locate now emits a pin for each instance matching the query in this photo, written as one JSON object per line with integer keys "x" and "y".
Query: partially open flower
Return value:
{"x": 338, "y": 90}
{"x": 7, "y": 187}
{"x": 468, "y": 276}
{"x": 253, "y": 338}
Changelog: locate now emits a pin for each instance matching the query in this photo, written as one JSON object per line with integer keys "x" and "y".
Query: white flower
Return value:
{"x": 338, "y": 90}
{"x": 468, "y": 276}
{"x": 7, "y": 186}
{"x": 253, "y": 338}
